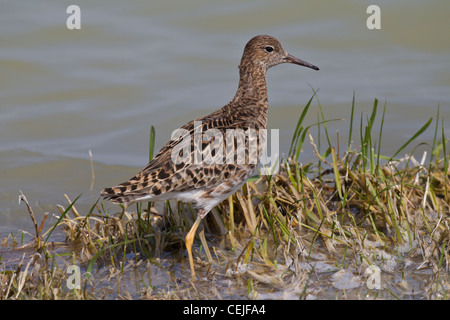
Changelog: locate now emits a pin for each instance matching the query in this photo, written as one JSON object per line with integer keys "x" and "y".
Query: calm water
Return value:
{"x": 141, "y": 63}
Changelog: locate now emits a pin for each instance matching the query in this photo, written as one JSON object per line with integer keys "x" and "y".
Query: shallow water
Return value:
{"x": 322, "y": 276}
{"x": 65, "y": 92}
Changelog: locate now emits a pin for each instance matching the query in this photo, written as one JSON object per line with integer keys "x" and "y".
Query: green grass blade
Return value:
{"x": 379, "y": 138}
{"x": 363, "y": 144}
{"x": 299, "y": 127}
{"x": 151, "y": 148}
{"x": 324, "y": 126}
{"x": 351, "y": 122}
{"x": 61, "y": 217}
{"x": 303, "y": 136}
{"x": 418, "y": 133}
{"x": 373, "y": 115}
{"x": 435, "y": 136}
{"x": 337, "y": 177}
{"x": 444, "y": 149}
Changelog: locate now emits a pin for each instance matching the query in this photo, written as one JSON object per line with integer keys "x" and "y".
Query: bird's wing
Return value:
{"x": 168, "y": 173}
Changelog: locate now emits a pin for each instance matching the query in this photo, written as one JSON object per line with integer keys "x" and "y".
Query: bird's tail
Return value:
{"x": 120, "y": 194}
{"x": 113, "y": 194}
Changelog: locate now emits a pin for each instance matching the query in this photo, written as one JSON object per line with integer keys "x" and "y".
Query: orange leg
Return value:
{"x": 189, "y": 241}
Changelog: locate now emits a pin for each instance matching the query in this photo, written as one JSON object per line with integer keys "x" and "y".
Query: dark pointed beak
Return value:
{"x": 291, "y": 59}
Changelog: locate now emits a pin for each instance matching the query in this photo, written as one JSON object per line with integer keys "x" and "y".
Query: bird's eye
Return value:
{"x": 268, "y": 48}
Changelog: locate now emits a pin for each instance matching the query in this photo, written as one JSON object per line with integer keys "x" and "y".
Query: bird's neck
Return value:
{"x": 252, "y": 90}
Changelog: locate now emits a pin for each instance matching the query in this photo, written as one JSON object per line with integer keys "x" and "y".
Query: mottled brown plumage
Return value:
{"x": 206, "y": 185}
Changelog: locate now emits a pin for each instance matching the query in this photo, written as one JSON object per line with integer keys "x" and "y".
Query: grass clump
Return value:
{"x": 353, "y": 224}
